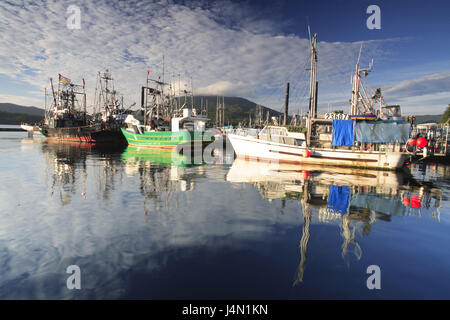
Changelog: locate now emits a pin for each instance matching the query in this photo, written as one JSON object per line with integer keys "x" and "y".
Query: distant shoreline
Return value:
{"x": 4, "y": 125}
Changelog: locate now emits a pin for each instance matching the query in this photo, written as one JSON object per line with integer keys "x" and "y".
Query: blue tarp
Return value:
{"x": 338, "y": 199}
{"x": 381, "y": 131}
{"x": 343, "y": 132}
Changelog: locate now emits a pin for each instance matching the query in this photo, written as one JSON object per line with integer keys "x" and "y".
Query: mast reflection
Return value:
{"x": 162, "y": 175}
{"x": 71, "y": 169}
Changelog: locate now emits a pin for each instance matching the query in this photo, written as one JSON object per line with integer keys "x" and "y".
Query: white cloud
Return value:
{"x": 433, "y": 103}
{"x": 435, "y": 83}
{"x": 225, "y": 88}
{"x": 220, "y": 52}
{"x": 21, "y": 100}
{"x": 425, "y": 95}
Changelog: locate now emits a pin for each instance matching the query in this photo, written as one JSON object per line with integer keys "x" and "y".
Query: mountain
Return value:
{"x": 14, "y": 114}
{"x": 236, "y": 109}
{"x": 18, "y": 118}
{"x": 14, "y": 108}
{"x": 446, "y": 115}
{"x": 428, "y": 118}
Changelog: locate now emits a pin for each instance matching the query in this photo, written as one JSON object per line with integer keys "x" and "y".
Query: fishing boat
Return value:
{"x": 371, "y": 136}
{"x": 66, "y": 118}
{"x": 109, "y": 108}
{"x": 162, "y": 124}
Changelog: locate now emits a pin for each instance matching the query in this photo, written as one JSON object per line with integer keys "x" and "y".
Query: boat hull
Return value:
{"x": 261, "y": 150}
{"x": 32, "y": 130}
{"x": 168, "y": 139}
{"x": 86, "y": 134}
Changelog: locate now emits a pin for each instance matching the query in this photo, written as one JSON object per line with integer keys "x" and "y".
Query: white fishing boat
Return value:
{"x": 372, "y": 136}
{"x": 31, "y": 129}
{"x": 276, "y": 144}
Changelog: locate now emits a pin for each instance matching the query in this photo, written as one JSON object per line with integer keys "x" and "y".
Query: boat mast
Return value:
{"x": 84, "y": 99}
{"x": 355, "y": 89}
{"x": 223, "y": 111}
{"x": 145, "y": 102}
{"x": 53, "y": 92}
{"x": 192, "y": 95}
{"x": 312, "y": 89}
{"x": 179, "y": 92}
{"x": 359, "y": 93}
{"x": 286, "y": 104}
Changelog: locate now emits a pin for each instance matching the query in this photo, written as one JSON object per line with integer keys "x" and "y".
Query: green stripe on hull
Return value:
{"x": 166, "y": 139}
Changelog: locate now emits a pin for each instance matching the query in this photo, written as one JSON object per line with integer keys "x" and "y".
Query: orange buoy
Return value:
{"x": 305, "y": 175}
{"x": 412, "y": 142}
{"x": 421, "y": 142}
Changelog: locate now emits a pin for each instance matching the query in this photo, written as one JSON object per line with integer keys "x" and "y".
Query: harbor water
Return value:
{"x": 143, "y": 224}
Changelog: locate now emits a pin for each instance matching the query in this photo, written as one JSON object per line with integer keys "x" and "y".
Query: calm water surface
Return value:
{"x": 141, "y": 226}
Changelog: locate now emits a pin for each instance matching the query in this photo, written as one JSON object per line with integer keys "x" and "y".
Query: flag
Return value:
{"x": 63, "y": 79}
{"x": 84, "y": 84}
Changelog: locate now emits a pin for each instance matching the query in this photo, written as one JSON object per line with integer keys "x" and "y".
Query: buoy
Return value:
{"x": 412, "y": 142}
{"x": 307, "y": 154}
{"x": 421, "y": 142}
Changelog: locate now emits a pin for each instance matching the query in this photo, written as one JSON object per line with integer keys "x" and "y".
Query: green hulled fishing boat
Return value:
{"x": 186, "y": 131}
{"x": 164, "y": 124}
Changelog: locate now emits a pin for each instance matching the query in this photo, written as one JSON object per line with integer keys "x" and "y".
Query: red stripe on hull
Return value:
{"x": 86, "y": 139}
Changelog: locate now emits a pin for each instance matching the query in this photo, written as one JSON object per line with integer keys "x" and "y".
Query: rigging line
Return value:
{"x": 277, "y": 90}
{"x": 298, "y": 80}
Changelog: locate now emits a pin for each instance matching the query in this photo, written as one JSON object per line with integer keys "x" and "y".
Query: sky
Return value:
{"x": 248, "y": 49}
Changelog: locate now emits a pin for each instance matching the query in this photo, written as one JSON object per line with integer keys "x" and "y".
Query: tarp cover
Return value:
{"x": 381, "y": 131}
{"x": 338, "y": 199}
{"x": 343, "y": 132}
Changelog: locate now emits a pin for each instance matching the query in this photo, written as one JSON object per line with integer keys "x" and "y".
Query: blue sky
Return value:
{"x": 242, "y": 48}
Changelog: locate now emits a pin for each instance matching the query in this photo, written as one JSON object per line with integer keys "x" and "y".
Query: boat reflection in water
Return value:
{"x": 144, "y": 223}
{"x": 67, "y": 162}
{"x": 162, "y": 174}
{"x": 351, "y": 199}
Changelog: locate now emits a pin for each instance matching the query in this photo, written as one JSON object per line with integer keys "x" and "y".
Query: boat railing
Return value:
{"x": 244, "y": 132}
{"x": 265, "y": 135}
